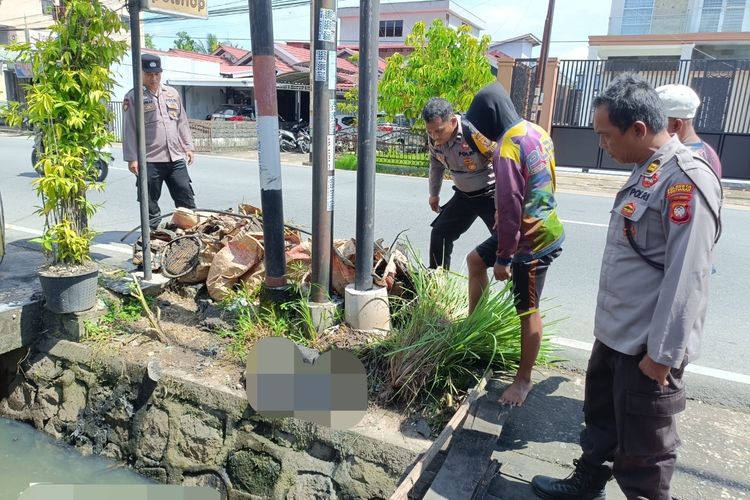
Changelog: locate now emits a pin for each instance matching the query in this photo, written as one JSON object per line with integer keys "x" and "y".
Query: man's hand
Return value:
{"x": 653, "y": 370}
{"x": 494, "y": 226}
{"x": 435, "y": 203}
{"x": 133, "y": 167}
{"x": 502, "y": 272}
{"x": 190, "y": 157}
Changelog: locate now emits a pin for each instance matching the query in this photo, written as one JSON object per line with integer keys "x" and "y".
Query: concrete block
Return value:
{"x": 367, "y": 310}
{"x": 154, "y": 286}
{"x": 323, "y": 315}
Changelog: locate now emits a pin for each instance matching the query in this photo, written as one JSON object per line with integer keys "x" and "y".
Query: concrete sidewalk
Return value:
{"x": 541, "y": 437}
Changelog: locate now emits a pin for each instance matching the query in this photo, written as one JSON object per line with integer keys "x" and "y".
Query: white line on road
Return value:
{"x": 100, "y": 246}
{"x": 595, "y": 224}
{"x": 700, "y": 370}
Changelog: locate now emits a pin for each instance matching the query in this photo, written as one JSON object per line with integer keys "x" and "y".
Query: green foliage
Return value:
{"x": 446, "y": 62}
{"x": 409, "y": 164}
{"x": 120, "y": 314}
{"x": 212, "y": 43}
{"x": 148, "y": 41}
{"x": 67, "y": 106}
{"x": 185, "y": 42}
{"x": 291, "y": 319}
{"x": 437, "y": 350}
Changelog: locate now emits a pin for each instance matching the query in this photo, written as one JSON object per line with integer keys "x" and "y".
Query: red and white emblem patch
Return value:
{"x": 648, "y": 182}
{"x": 680, "y": 197}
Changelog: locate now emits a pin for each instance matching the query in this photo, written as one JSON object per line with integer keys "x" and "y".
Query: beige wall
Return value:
{"x": 670, "y": 16}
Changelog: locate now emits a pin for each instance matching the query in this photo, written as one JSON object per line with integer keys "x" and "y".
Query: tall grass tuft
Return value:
{"x": 437, "y": 349}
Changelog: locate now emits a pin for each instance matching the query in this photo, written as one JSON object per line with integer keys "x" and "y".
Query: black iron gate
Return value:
{"x": 723, "y": 118}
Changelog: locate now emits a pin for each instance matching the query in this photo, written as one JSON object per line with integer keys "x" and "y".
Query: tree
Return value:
{"x": 212, "y": 43}
{"x": 67, "y": 106}
{"x": 186, "y": 42}
{"x": 445, "y": 63}
{"x": 148, "y": 41}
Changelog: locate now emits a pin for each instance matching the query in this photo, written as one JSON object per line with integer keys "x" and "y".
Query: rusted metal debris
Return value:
{"x": 231, "y": 252}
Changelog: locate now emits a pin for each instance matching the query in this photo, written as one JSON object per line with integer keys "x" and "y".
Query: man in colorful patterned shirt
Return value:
{"x": 681, "y": 105}
{"x": 528, "y": 234}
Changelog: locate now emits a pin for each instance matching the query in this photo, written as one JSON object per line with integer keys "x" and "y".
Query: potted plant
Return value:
{"x": 67, "y": 106}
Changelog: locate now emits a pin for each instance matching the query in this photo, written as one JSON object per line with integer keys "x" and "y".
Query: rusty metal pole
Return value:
{"x": 541, "y": 68}
{"x": 323, "y": 80}
{"x": 366, "y": 133}
{"x": 134, "y": 6}
{"x": 269, "y": 158}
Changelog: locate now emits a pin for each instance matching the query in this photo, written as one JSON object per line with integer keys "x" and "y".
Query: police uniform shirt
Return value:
{"x": 167, "y": 130}
{"x": 639, "y": 307}
{"x": 471, "y": 170}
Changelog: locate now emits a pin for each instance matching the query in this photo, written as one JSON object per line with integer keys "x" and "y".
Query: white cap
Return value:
{"x": 680, "y": 101}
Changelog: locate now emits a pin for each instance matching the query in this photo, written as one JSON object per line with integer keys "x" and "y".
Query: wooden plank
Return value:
{"x": 470, "y": 452}
{"x": 480, "y": 492}
{"x": 403, "y": 489}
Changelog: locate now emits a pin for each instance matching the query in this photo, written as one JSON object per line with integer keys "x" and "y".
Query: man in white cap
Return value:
{"x": 680, "y": 105}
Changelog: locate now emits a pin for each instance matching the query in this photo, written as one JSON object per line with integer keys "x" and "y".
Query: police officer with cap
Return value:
{"x": 169, "y": 144}
{"x": 681, "y": 105}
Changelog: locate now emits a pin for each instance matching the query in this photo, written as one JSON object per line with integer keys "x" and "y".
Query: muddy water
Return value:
{"x": 29, "y": 456}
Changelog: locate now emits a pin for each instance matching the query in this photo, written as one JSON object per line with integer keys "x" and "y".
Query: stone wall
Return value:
{"x": 218, "y": 134}
{"x": 179, "y": 431}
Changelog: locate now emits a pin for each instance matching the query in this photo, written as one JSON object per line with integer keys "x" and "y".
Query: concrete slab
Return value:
{"x": 18, "y": 274}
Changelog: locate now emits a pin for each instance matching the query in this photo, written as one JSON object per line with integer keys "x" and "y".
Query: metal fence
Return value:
{"x": 723, "y": 85}
{"x": 116, "y": 125}
{"x": 522, "y": 86}
{"x": 405, "y": 148}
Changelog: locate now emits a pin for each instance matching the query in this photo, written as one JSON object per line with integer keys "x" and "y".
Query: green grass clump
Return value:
{"x": 116, "y": 321}
{"x": 437, "y": 350}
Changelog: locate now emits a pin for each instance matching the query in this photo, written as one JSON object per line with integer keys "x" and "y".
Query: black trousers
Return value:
{"x": 455, "y": 218}
{"x": 175, "y": 175}
{"x": 630, "y": 422}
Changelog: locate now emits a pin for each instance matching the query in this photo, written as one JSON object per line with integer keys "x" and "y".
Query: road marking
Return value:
{"x": 700, "y": 370}
{"x": 595, "y": 224}
{"x": 122, "y": 249}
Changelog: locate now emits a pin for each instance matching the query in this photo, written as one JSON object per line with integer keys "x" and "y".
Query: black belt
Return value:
{"x": 479, "y": 192}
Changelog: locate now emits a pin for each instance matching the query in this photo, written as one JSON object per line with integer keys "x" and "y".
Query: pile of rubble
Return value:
{"x": 225, "y": 249}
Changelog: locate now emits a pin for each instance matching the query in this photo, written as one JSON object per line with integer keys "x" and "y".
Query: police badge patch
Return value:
{"x": 679, "y": 197}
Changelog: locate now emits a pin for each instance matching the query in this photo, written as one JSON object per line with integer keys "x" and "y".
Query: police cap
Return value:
{"x": 151, "y": 63}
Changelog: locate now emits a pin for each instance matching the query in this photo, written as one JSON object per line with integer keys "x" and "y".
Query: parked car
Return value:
{"x": 233, "y": 112}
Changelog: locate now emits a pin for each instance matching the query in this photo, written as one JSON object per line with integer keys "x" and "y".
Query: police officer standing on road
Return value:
{"x": 653, "y": 292}
{"x": 169, "y": 144}
{"x": 456, "y": 145}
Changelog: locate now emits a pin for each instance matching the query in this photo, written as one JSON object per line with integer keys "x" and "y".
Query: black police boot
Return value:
{"x": 585, "y": 483}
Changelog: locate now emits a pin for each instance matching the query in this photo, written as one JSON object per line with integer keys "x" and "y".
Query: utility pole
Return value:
{"x": 366, "y": 307}
{"x": 264, "y": 75}
{"x": 541, "y": 67}
{"x": 134, "y": 7}
{"x": 323, "y": 81}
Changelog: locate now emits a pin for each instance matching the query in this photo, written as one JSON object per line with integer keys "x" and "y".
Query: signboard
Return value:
{"x": 183, "y": 8}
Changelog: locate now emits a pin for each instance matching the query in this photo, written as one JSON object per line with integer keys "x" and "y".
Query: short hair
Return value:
{"x": 437, "y": 107}
{"x": 630, "y": 98}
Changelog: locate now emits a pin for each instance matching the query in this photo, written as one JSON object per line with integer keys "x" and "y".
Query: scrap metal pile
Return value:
{"x": 225, "y": 249}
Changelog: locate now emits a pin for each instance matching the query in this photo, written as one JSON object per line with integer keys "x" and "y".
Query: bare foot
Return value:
{"x": 516, "y": 393}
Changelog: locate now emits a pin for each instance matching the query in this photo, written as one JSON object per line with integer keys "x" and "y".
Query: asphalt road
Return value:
{"x": 401, "y": 204}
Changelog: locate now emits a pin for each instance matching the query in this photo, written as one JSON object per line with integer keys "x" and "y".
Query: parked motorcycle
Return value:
{"x": 102, "y": 164}
{"x": 296, "y": 139}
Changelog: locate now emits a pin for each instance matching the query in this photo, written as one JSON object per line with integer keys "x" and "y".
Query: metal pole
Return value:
{"x": 134, "y": 7}
{"x": 366, "y": 133}
{"x": 264, "y": 76}
{"x": 542, "y": 65}
{"x": 323, "y": 73}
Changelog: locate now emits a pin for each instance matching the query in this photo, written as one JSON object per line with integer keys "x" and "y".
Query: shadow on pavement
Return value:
{"x": 544, "y": 418}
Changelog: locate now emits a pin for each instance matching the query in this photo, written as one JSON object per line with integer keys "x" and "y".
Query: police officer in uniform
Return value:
{"x": 457, "y": 146}
{"x": 169, "y": 144}
{"x": 651, "y": 306}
